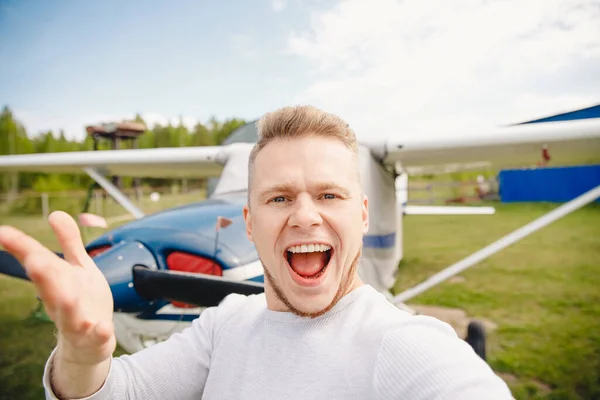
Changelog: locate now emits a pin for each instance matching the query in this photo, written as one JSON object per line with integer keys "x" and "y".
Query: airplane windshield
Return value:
{"x": 244, "y": 134}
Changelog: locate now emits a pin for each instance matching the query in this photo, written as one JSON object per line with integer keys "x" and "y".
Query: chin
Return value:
{"x": 310, "y": 297}
{"x": 313, "y": 303}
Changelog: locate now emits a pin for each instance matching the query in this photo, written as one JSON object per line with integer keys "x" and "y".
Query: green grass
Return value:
{"x": 29, "y": 204}
{"x": 543, "y": 293}
{"x": 25, "y": 342}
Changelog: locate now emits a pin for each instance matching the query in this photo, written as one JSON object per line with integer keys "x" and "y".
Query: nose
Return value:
{"x": 305, "y": 213}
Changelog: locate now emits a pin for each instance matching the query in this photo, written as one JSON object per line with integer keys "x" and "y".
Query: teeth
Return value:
{"x": 309, "y": 248}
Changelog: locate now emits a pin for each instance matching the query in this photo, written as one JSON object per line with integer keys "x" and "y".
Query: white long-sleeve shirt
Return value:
{"x": 364, "y": 348}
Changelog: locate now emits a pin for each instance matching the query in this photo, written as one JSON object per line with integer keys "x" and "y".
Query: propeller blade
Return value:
{"x": 11, "y": 266}
{"x": 197, "y": 289}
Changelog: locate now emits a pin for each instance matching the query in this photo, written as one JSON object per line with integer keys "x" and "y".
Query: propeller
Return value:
{"x": 131, "y": 271}
{"x": 200, "y": 290}
{"x": 10, "y": 266}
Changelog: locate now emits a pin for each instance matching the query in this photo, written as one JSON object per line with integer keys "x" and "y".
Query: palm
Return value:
{"x": 86, "y": 305}
{"x": 74, "y": 291}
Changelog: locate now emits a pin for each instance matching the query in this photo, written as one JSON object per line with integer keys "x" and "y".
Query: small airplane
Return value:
{"x": 165, "y": 268}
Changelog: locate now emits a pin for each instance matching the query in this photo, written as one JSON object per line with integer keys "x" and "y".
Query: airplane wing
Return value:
{"x": 517, "y": 145}
{"x": 179, "y": 162}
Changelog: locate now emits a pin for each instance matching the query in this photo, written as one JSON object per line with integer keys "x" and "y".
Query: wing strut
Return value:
{"x": 114, "y": 192}
{"x": 500, "y": 244}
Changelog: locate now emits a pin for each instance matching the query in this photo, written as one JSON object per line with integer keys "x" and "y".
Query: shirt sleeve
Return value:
{"x": 175, "y": 368}
{"x": 425, "y": 359}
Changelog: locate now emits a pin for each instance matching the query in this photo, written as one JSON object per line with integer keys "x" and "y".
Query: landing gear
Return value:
{"x": 134, "y": 334}
{"x": 476, "y": 338}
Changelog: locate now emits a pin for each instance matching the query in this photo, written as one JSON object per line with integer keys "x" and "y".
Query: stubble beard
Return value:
{"x": 343, "y": 288}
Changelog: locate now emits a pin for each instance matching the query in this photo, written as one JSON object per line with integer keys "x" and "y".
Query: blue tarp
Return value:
{"x": 557, "y": 184}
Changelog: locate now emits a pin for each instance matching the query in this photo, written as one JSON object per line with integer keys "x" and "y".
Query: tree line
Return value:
{"x": 14, "y": 139}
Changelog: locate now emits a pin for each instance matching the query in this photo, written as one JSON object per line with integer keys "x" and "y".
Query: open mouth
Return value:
{"x": 310, "y": 261}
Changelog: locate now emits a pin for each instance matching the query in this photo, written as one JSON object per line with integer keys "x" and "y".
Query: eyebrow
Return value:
{"x": 290, "y": 188}
{"x": 324, "y": 186}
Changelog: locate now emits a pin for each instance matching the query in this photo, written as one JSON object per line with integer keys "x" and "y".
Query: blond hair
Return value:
{"x": 295, "y": 122}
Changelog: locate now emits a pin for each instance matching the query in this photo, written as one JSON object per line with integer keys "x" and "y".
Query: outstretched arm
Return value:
{"x": 79, "y": 301}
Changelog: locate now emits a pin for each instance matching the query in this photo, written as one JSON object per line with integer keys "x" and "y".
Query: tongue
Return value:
{"x": 308, "y": 264}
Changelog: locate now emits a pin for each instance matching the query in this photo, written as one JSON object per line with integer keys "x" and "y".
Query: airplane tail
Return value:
{"x": 11, "y": 266}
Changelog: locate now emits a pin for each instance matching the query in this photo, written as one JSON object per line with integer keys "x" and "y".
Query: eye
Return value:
{"x": 329, "y": 196}
{"x": 278, "y": 199}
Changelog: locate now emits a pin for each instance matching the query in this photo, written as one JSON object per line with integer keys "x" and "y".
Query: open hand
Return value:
{"x": 74, "y": 291}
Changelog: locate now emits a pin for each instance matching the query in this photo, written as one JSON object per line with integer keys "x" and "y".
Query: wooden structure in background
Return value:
{"x": 115, "y": 133}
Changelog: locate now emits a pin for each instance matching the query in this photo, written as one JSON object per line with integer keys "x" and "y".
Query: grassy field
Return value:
{"x": 543, "y": 294}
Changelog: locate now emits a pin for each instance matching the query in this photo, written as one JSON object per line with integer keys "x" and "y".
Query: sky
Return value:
{"x": 414, "y": 68}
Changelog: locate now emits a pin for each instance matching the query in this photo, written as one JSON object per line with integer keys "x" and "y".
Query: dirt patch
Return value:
{"x": 459, "y": 320}
{"x": 510, "y": 379}
{"x": 543, "y": 387}
{"x": 457, "y": 279}
{"x": 456, "y": 317}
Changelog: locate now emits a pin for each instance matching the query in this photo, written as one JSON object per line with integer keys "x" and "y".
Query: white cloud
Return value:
{"x": 278, "y": 5}
{"x": 398, "y": 67}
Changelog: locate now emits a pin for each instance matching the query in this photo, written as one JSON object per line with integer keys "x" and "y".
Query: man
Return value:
{"x": 317, "y": 332}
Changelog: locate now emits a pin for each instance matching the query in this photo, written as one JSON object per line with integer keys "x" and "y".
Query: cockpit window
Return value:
{"x": 244, "y": 134}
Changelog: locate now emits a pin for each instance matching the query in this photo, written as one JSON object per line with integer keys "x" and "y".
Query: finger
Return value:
{"x": 74, "y": 321}
{"x": 45, "y": 274}
{"x": 21, "y": 245}
{"x": 105, "y": 330}
{"x": 71, "y": 317}
{"x": 96, "y": 335}
{"x": 45, "y": 269}
{"x": 67, "y": 232}
{"x": 105, "y": 334}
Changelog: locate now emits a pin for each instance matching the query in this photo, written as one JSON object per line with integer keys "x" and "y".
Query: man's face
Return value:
{"x": 307, "y": 217}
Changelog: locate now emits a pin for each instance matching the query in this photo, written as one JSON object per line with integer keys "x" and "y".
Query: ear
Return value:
{"x": 365, "y": 214}
{"x": 248, "y": 221}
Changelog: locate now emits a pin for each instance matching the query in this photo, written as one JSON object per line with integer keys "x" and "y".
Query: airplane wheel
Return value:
{"x": 476, "y": 338}
{"x": 134, "y": 335}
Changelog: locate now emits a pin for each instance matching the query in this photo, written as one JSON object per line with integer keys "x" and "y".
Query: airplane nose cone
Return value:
{"x": 117, "y": 266}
